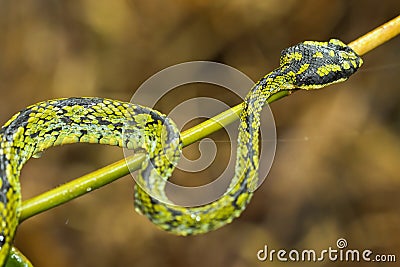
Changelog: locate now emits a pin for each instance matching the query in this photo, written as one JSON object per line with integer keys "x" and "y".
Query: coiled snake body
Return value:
{"x": 308, "y": 65}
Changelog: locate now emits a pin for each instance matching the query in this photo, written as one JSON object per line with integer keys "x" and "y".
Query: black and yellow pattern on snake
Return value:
{"x": 308, "y": 65}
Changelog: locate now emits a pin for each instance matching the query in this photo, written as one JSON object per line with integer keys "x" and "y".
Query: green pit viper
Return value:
{"x": 307, "y": 65}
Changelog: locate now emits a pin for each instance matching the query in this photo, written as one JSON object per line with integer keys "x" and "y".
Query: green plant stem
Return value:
{"x": 17, "y": 259}
{"x": 112, "y": 172}
{"x": 376, "y": 37}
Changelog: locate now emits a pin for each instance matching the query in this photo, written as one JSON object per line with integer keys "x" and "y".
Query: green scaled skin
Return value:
{"x": 308, "y": 65}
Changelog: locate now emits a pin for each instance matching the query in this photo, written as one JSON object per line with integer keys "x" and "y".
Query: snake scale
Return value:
{"x": 307, "y": 65}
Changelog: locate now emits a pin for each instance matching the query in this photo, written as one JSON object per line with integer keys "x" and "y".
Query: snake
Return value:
{"x": 307, "y": 65}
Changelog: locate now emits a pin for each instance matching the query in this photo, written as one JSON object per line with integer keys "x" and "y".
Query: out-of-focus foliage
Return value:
{"x": 336, "y": 171}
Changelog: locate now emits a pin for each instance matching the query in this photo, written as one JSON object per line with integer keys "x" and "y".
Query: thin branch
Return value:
{"x": 376, "y": 37}
{"x": 112, "y": 172}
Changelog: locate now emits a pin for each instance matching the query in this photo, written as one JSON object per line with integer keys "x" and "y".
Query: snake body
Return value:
{"x": 308, "y": 65}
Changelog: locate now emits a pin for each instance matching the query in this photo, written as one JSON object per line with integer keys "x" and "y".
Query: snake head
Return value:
{"x": 317, "y": 64}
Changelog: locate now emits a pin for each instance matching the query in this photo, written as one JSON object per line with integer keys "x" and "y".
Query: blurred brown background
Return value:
{"x": 336, "y": 172}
